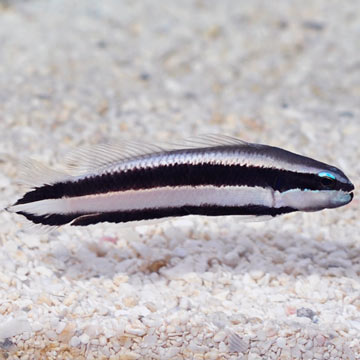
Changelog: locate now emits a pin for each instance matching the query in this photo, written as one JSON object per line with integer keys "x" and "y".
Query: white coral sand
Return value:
{"x": 282, "y": 73}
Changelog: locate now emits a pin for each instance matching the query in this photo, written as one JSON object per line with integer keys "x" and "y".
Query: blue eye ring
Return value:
{"x": 327, "y": 180}
{"x": 327, "y": 175}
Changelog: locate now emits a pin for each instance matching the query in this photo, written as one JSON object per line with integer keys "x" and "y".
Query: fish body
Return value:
{"x": 208, "y": 175}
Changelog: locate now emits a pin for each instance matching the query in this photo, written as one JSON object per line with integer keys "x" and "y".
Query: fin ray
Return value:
{"x": 208, "y": 140}
{"x": 94, "y": 158}
{"x": 33, "y": 173}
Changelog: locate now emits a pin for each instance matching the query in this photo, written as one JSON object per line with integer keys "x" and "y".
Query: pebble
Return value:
{"x": 135, "y": 331}
{"x": 220, "y": 336}
{"x": 67, "y": 332}
{"x": 60, "y": 327}
{"x": 223, "y": 347}
{"x": 165, "y": 282}
{"x": 180, "y": 252}
{"x": 44, "y": 271}
{"x": 5, "y": 279}
{"x": 105, "y": 351}
{"x": 254, "y": 356}
{"x": 257, "y": 274}
{"x": 281, "y": 342}
{"x": 212, "y": 355}
{"x": 261, "y": 335}
{"x": 51, "y": 334}
{"x": 151, "y": 306}
{"x": 127, "y": 355}
{"x": 319, "y": 340}
{"x": 4, "y": 181}
{"x": 194, "y": 347}
{"x": 108, "y": 333}
{"x": 70, "y": 299}
{"x": 232, "y": 258}
{"x": 237, "y": 344}
{"x": 285, "y": 354}
{"x": 171, "y": 352}
{"x": 75, "y": 341}
{"x": 84, "y": 339}
{"x": 149, "y": 340}
{"x": 102, "y": 310}
{"x": 14, "y": 327}
{"x": 92, "y": 330}
{"x": 32, "y": 241}
{"x": 26, "y": 336}
{"x": 295, "y": 352}
{"x": 102, "y": 340}
{"x": 305, "y": 312}
{"x": 36, "y": 326}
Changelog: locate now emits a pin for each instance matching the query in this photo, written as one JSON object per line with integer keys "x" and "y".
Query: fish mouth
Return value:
{"x": 341, "y": 198}
{"x": 348, "y": 198}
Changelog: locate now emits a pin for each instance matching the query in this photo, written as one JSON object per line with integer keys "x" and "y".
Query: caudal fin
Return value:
{"x": 36, "y": 204}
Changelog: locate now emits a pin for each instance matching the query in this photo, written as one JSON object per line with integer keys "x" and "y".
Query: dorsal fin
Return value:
{"x": 207, "y": 140}
{"x": 33, "y": 173}
{"x": 94, "y": 158}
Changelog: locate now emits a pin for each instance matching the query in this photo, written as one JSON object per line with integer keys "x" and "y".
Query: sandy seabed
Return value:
{"x": 282, "y": 73}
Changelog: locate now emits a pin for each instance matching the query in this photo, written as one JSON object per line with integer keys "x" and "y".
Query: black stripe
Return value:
{"x": 148, "y": 214}
{"x": 51, "y": 219}
{"x": 179, "y": 175}
{"x": 210, "y": 210}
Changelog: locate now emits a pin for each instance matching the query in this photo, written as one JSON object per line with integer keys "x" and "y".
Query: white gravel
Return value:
{"x": 283, "y": 73}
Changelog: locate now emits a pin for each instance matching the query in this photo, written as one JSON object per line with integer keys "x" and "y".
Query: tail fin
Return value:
{"x": 35, "y": 177}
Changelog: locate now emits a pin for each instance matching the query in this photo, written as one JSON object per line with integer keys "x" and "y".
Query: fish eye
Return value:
{"x": 327, "y": 180}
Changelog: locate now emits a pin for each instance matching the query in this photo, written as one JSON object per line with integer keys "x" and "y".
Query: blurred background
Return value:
{"x": 285, "y": 73}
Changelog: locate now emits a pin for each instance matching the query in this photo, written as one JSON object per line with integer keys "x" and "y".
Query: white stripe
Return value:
{"x": 153, "y": 198}
{"x": 214, "y": 157}
{"x": 311, "y": 200}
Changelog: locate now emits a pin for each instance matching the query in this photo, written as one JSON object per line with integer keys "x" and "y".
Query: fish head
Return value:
{"x": 325, "y": 187}
{"x": 334, "y": 189}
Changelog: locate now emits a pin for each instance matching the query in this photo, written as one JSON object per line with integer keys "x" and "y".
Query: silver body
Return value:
{"x": 208, "y": 176}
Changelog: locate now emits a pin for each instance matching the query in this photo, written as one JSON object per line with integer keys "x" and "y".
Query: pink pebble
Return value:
{"x": 320, "y": 340}
{"x": 111, "y": 239}
{"x": 290, "y": 310}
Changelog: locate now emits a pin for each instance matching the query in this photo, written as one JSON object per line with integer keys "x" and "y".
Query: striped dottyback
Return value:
{"x": 207, "y": 175}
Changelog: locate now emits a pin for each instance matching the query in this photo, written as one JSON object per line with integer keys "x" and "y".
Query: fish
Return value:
{"x": 211, "y": 175}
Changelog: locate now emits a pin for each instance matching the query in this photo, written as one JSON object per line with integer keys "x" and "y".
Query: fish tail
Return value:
{"x": 36, "y": 204}
{"x": 36, "y": 212}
